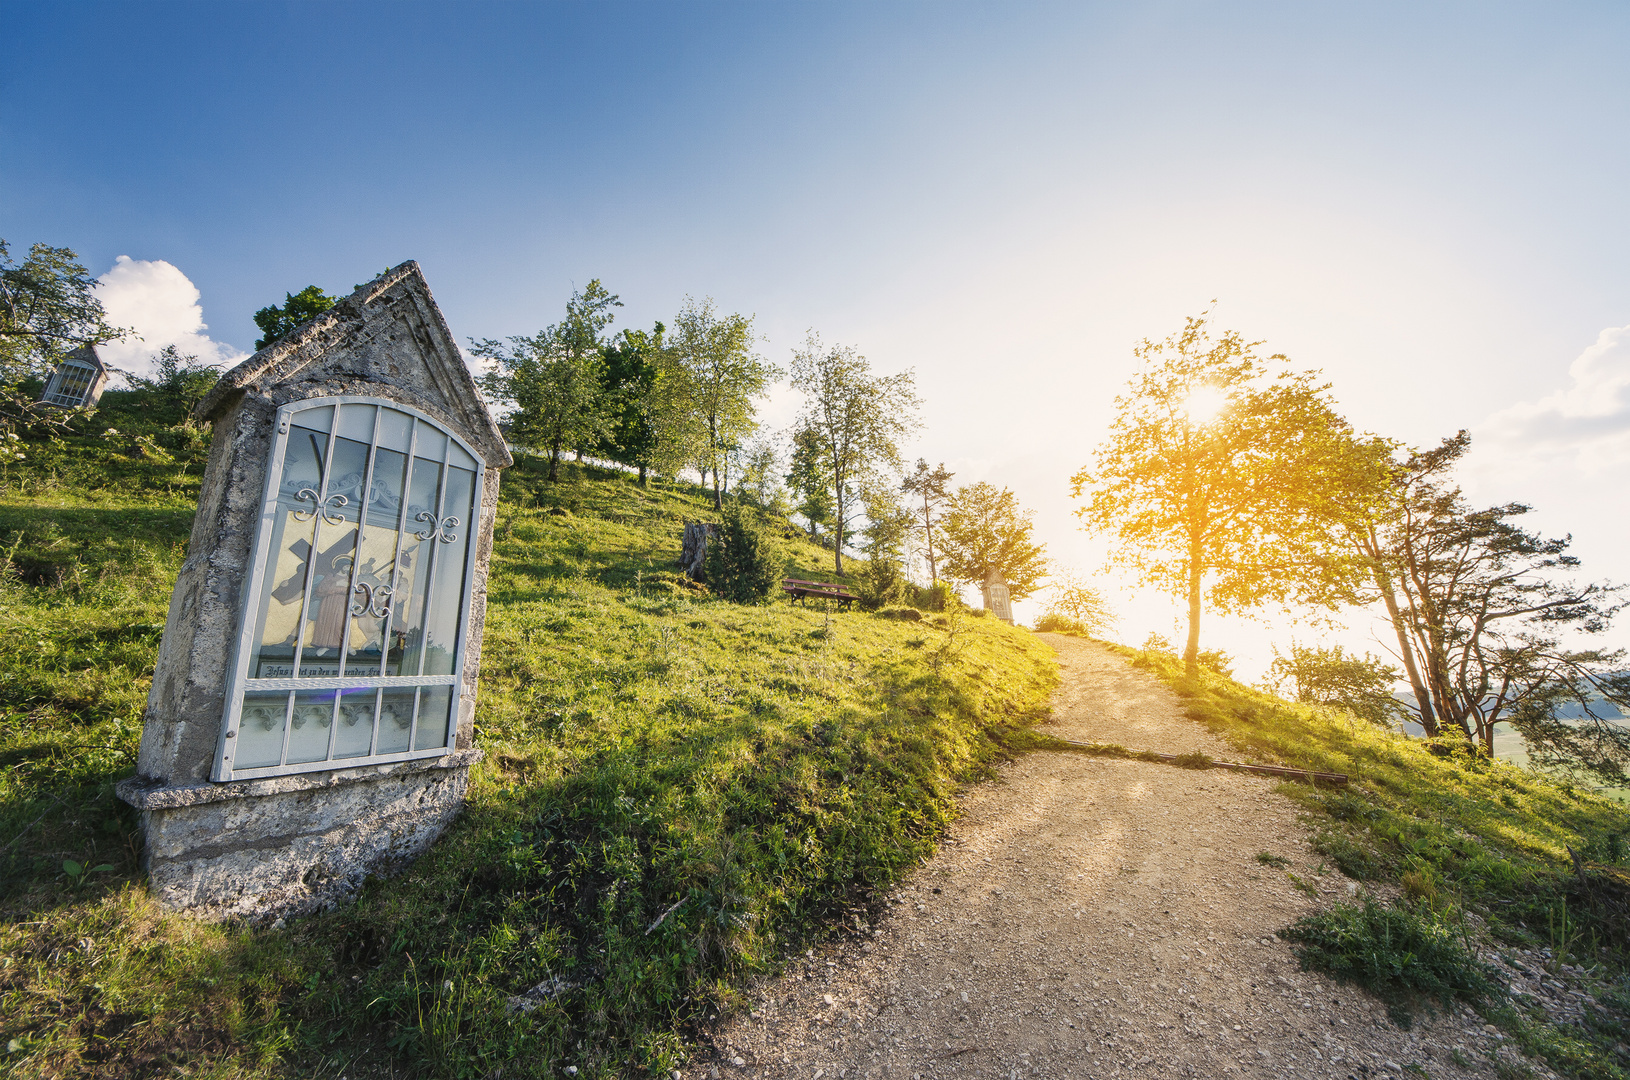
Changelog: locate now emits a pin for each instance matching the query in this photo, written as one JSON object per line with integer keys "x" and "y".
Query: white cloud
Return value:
{"x": 161, "y": 304}
{"x": 1583, "y": 427}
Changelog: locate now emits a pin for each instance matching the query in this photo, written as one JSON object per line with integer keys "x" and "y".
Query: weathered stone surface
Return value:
{"x": 388, "y": 341}
{"x": 292, "y": 852}
{"x": 147, "y": 794}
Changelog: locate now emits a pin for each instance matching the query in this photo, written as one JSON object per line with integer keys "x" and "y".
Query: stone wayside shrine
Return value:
{"x": 998, "y": 601}
{"x": 311, "y": 714}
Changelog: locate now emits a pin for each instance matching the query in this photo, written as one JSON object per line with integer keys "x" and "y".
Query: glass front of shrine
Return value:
{"x": 358, "y": 602}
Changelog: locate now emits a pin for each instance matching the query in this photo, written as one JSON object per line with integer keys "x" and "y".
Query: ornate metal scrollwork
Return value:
{"x": 329, "y": 515}
{"x": 376, "y": 600}
{"x": 439, "y": 530}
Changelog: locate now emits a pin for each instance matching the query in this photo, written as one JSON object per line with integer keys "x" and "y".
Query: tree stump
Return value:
{"x": 693, "y": 549}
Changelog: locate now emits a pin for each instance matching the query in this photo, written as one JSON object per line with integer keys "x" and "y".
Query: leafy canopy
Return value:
{"x": 48, "y": 308}
{"x": 806, "y": 480}
{"x": 180, "y": 380}
{"x": 553, "y": 381}
{"x": 1226, "y": 478}
{"x": 984, "y": 529}
{"x": 721, "y": 378}
{"x": 1333, "y": 677}
{"x": 639, "y": 384}
{"x": 852, "y": 421}
{"x": 277, "y": 322}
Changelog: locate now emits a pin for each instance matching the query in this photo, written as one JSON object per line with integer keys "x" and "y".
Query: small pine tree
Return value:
{"x": 879, "y": 584}
{"x": 743, "y": 563}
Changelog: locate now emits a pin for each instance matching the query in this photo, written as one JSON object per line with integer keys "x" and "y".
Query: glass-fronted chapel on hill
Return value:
{"x": 312, "y": 714}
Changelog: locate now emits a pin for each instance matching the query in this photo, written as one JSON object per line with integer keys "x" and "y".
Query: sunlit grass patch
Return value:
{"x": 1462, "y": 837}
{"x": 677, "y": 792}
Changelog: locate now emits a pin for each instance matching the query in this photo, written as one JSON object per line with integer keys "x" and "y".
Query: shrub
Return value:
{"x": 1077, "y": 608}
{"x": 903, "y": 614}
{"x": 937, "y": 597}
{"x": 1330, "y": 676}
{"x": 880, "y": 583}
{"x": 1054, "y": 623}
{"x": 743, "y": 563}
{"x": 1398, "y": 953}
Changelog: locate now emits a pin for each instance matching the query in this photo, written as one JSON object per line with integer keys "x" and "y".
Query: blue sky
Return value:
{"x": 1425, "y": 201}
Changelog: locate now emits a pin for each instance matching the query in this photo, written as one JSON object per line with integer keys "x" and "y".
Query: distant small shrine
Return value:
{"x": 78, "y": 381}
{"x": 997, "y": 600}
{"x": 312, "y": 713}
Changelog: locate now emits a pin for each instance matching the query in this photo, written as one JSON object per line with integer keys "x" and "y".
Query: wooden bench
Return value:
{"x": 801, "y": 590}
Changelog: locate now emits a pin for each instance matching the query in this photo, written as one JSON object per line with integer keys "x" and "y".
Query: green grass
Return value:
{"x": 1399, "y": 952}
{"x": 1465, "y": 837}
{"x": 678, "y": 793}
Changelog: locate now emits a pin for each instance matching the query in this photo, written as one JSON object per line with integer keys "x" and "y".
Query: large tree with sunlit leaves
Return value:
{"x": 1226, "y": 478}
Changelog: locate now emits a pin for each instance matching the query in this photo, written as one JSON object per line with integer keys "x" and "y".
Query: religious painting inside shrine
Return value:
{"x": 360, "y": 594}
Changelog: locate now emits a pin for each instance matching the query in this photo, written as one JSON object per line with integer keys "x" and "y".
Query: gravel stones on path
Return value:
{"x": 1096, "y": 917}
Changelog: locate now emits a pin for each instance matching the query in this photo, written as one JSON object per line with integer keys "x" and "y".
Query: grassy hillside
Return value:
{"x": 753, "y": 774}
{"x": 1474, "y": 845}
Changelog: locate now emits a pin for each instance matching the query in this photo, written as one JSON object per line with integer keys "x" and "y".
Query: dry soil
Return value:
{"x": 1097, "y": 917}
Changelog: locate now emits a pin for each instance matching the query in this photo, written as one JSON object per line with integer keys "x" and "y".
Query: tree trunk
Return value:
{"x": 642, "y": 476}
{"x": 1191, "y": 652}
{"x": 837, "y": 531}
{"x": 1417, "y": 685}
{"x": 554, "y": 460}
{"x": 928, "y": 541}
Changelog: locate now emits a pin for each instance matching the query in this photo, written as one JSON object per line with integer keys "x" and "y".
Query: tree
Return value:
{"x": 854, "y": 421}
{"x": 743, "y": 563}
{"x": 1330, "y": 676}
{"x": 984, "y": 529}
{"x": 888, "y": 524}
{"x": 1077, "y": 606}
{"x": 882, "y": 580}
{"x": 48, "y": 308}
{"x": 643, "y": 390}
{"x": 1481, "y": 607}
{"x": 1228, "y": 479}
{"x": 807, "y": 481}
{"x": 180, "y": 381}
{"x": 553, "y": 380}
{"x": 278, "y": 322}
{"x": 722, "y": 377}
{"x": 759, "y": 481}
{"x": 927, "y": 488}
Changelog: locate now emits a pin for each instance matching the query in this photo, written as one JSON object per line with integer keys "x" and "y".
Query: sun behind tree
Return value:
{"x": 1226, "y": 478}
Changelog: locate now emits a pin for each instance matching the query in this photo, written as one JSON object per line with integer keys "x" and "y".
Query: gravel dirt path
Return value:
{"x": 1095, "y": 917}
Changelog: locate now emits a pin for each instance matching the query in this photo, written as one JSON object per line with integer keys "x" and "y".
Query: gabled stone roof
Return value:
{"x": 387, "y": 331}
{"x": 87, "y": 354}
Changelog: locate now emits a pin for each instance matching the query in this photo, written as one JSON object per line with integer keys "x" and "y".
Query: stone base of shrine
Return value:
{"x": 259, "y": 850}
